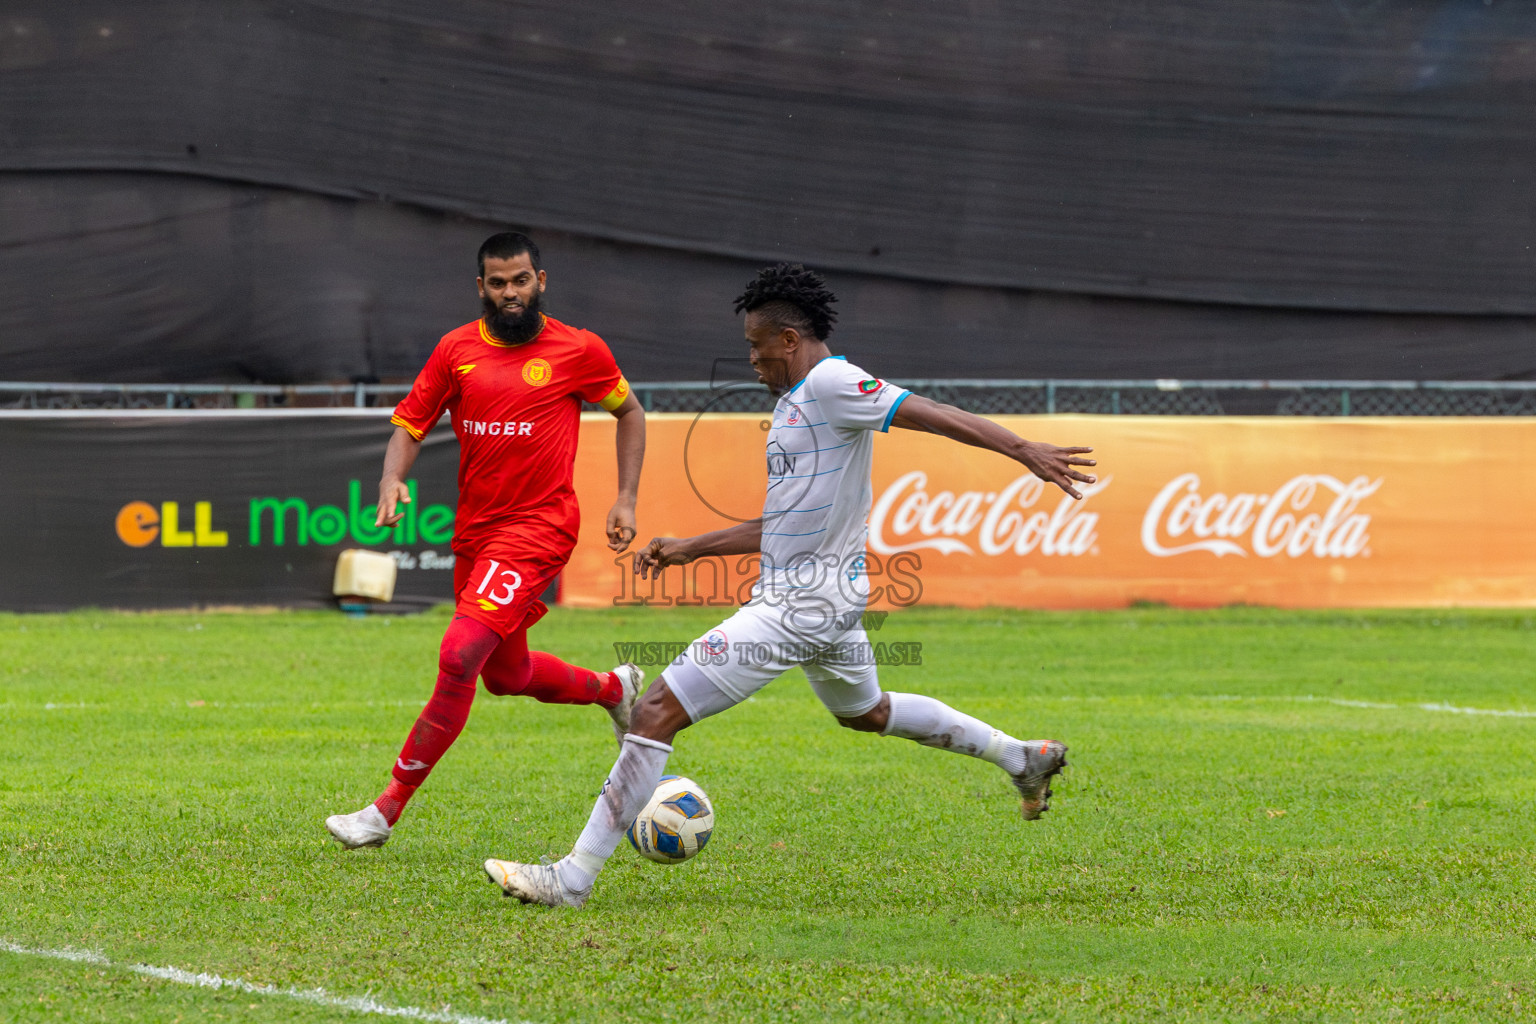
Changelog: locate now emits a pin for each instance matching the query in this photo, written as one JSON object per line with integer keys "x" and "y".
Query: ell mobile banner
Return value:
{"x": 174, "y": 510}
{"x": 223, "y": 508}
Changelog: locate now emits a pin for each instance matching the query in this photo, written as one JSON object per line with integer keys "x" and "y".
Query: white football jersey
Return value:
{"x": 816, "y": 513}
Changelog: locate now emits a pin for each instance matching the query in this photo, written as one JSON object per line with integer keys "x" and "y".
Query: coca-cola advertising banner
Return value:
{"x": 1193, "y": 512}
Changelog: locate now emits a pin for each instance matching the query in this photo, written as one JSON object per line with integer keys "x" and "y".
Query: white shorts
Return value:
{"x": 755, "y": 646}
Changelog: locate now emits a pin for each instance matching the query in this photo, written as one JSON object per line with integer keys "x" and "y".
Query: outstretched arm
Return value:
{"x": 1046, "y": 461}
{"x": 629, "y": 439}
{"x": 399, "y": 457}
{"x": 741, "y": 539}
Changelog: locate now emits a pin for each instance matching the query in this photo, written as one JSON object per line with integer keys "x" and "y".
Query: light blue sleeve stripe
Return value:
{"x": 891, "y": 414}
{"x": 807, "y": 476}
{"x": 778, "y": 511}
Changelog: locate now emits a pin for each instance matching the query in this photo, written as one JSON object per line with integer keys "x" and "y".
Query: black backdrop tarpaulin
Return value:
{"x": 177, "y": 510}
{"x": 1117, "y": 189}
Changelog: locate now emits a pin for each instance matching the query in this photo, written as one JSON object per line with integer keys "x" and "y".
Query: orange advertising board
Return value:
{"x": 1194, "y": 512}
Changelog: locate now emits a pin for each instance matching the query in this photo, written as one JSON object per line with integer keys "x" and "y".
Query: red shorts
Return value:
{"x": 500, "y": 585}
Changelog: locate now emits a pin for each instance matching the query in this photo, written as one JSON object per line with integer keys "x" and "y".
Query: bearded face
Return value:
{"x": 514, "y": 323}
{"x": 511, "y": 293}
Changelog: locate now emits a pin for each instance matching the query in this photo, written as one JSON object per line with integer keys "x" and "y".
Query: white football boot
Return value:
{"x": 1042, "y": 759}
{"x": 366, "y": 827}
{"x": 632, "y": 678}
{"x": 534, "y": 883}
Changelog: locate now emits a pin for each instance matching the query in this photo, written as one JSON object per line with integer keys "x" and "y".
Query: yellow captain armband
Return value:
{"x": 615, "y": 398}
{"x": 417, "y": 434}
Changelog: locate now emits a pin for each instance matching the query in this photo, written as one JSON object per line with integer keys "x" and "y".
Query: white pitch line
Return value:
{"x": 1371, "y": 705}
{"x": 1454, "y": 710}
{"x": 317, "y": 996}
{"x": 1344, "y": 703}
{"x": 78, "y": 955}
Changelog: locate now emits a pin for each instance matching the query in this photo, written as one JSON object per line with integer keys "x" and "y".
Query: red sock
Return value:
{"x": 556, "y": 682}
{"x": 466, "y": 646}
{"x": 396, "y": 795}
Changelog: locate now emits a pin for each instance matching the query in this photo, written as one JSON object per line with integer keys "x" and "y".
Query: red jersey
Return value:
{"x": 516, "y": 410}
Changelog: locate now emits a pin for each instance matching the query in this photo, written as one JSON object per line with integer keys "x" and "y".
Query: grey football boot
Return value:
{"x": 1042, "y": 759}
{"x": 632, "y": 679}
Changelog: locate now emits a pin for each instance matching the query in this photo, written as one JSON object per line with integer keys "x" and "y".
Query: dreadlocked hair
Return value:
{"x": 791, "y": 296}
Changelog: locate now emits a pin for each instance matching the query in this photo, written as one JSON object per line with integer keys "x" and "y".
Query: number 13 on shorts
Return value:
{"x": 498, "y": 584}
{"x": 491, "y": 591}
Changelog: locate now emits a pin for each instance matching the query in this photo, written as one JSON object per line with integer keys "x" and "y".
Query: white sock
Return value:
{"x": 935, "y": 724}
{"x": 628, "y": 786}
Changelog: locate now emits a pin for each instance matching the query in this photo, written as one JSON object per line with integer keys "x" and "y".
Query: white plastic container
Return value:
{"x": 364, "y": 574}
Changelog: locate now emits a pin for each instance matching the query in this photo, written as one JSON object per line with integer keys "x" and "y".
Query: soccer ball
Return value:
{"x": 676, "y": 823}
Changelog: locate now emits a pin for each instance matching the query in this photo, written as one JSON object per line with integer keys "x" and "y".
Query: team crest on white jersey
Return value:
{"x": 715, "y": 643}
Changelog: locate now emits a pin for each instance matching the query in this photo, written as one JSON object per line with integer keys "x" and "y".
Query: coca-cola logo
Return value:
{"x": 908, "y": 518}
{"x": 1291, "y": 521}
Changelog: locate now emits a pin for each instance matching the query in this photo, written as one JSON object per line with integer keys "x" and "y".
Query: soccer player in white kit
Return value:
{"x": 806, "y": 607}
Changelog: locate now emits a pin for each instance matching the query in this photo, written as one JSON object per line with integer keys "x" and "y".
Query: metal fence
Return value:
{"x": 1105, "y": 397}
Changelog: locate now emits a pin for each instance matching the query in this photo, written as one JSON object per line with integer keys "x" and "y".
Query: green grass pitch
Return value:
{"x": 1269, "y": 816}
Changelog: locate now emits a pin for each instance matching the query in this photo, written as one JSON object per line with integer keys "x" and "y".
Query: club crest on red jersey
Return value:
{"x": 537, "y": 372}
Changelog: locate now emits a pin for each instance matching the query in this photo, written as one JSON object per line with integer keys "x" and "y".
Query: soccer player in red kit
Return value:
{"x": 513, "y": 382}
